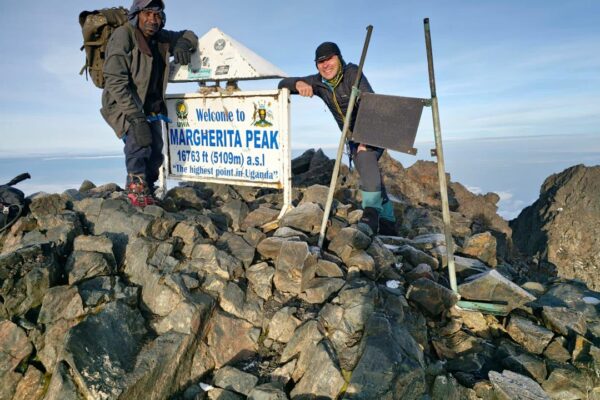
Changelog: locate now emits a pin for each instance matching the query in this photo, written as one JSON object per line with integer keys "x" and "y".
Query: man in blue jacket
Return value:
{"x": 136, "y": 71}
{"x": 333, "y": 84}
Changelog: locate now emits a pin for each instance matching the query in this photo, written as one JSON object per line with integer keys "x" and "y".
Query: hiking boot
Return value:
{"x": 370, "y": 218}
{"x": 387, "y": 227}
{"x": 138, "y": 193}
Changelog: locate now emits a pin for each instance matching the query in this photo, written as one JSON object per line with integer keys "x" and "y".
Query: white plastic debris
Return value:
{"x": 206, "y": 387}
{"x": 393, "y": 284}
{"x": 591, "y": 300}
{"x": 398, "y": 265}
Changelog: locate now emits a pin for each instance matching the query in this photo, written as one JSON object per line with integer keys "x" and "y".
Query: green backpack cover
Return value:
{"x": 96, "y": 27}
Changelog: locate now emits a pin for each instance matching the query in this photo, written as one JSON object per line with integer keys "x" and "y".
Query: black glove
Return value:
{"x": 140, "y": 129}
{"x": 182, "y": 51}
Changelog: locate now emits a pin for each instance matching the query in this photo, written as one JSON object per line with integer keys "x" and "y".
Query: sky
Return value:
{"x": 504, "y": 69}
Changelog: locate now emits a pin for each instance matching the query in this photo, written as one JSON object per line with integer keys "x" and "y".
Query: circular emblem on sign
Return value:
{"x": 181, "y": 110}
{"x": 220, "y": 44}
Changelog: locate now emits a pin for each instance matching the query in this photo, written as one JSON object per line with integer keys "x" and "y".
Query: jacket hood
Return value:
{"x": 139, "y": 5}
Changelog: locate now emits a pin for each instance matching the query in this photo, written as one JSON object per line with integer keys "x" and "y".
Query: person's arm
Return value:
{"x": 304, "y": 86}
{"x": 116, "y": 71}
{"x": 181, "y": 45}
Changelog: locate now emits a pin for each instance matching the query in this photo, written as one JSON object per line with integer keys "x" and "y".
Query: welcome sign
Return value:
{"x": 240, "y": 138}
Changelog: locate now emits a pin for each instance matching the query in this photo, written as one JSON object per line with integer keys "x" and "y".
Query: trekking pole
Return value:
{"x": 439, "y": 153}
{"x": 345, "y": 129}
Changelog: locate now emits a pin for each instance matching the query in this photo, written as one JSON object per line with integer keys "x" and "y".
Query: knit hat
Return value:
{"x": 326, "y": 50}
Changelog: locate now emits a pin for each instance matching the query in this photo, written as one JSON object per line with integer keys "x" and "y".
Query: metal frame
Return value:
{"x": 472, "y": 305}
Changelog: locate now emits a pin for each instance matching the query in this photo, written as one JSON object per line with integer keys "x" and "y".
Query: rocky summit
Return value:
{"x": 206, "y": 297}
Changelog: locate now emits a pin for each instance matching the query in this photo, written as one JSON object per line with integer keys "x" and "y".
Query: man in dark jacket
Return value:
{"x": 136, "y": 71}
{"x": 333, "y": 84}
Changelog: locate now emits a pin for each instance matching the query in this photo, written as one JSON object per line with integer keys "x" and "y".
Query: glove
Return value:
{"x": 140, "y": 129}
{"x": 182, "y": 51}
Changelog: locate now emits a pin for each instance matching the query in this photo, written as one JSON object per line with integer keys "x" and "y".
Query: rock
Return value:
{"x": 82, "y": 265}
{"x": 567, "y": 384}
{"x": 237, "y": 211}
{"x": 527, "y": 365}
{"x": 512, "y": 386}
{"x": 32, "y": 386}
{"x": 571, "y": 295}
{"x": 306, "y": 217}
{"x": 345, "y": 321}
{"x": 316, "y": 194}
{"x": 259, "y": 217}
{"x": 47, "y": 204}
{"x": 305, "y": 337}
{"x": 481, "y": 246}
{"x": 188, "y": 232}
{"x": 322, "y": 378}
{"x": 562, "y": 225}
{"x": 328, "y": 269}
{"x": 491, "y": 286}
{"x": 557, "y": 350}
{"x": 27, "y": 274}
{"x": 230, "y": 339}
{"x": 293, "y": 266}
{"x": 533, "y": 337}
{"x": 420, "y": 271}
{"x": 14, "y": 348}
{"x": 287, "y": 232}
{"x": 270, "y": 248}
{"x": 220, "y": 394}
{"x": 61, "y": 302}
{"x": 283, "y": 325}
{"x": 208, "y": 260}
{"x": 564, "y": 321}
{"x": 186, "y": 197}
{"x": 467, "y": 267}
{"x": 348, "y": 240}
{"x": 86, "y": 185}
{"x": 104, "y": 289}
{"x": 445, "y": 387}
{"x": 62, "y": 385}
{"x": 233, "y": 379}
{"x": 284, "y": 373}
{"x": 385, "y": 370}
{"x": 432, "y": 297}
{"x": 416, "y": 257}
{"x": 103, "y": 347}
{"x": 97, "y": 244}
{"x": 268, "y": 391}
{"x": 253, "y": 236}
{"x": 318, "y": 290}
{"x": 260, "y": 277}
{"x": 237, "y": 246}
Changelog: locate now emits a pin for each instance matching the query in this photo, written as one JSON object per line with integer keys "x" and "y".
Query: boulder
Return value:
{"x": 562, "y": 226}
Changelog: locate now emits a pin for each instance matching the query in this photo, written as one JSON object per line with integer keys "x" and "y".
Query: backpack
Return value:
{"x": 96, "y": 27}
{"x": 12, "y": 202}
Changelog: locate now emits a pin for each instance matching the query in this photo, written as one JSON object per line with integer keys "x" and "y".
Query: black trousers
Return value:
{"x": 145, "y": 161}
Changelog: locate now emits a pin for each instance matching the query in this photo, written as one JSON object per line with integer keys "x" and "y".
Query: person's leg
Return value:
{"x": 136, "y": 161}
{"x": 156, "y": 155}
{"x": 370, "y": 186}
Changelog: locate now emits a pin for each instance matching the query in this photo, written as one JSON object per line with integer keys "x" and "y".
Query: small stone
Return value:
{"x": 533, "y": 337}
{"x": 233, "y": 379}
{"x": 512, "y": 386}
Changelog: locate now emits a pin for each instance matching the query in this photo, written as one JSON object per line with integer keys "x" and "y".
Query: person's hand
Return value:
{"x": 139, "y": 129}
{"x": 182, "y": 51}
{"x": 361, "y": 147}
{"x": 304, "y": 89}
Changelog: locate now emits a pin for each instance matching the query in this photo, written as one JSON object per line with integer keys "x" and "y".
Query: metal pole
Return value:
{"x": 345, "y": 129}
{"x": 439, "y": 152}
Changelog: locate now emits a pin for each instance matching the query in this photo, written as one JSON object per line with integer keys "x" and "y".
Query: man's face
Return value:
{"x": 149, "y": 22}
{"x": 328, "y": 68}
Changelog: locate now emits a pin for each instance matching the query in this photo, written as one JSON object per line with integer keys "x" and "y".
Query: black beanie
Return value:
{"x": 326, "y": 50}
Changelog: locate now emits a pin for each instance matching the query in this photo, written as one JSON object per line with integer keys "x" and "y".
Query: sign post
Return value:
{"x": 238, "y": 139}
{"x": 228, "y": 136}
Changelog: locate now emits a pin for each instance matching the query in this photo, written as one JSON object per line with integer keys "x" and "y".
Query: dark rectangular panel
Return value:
{"x": 389, "y": 122}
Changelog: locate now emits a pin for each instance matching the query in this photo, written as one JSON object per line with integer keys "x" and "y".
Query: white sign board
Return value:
{"x": 239, "y": 139}
{"x": 221, "y": 58}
